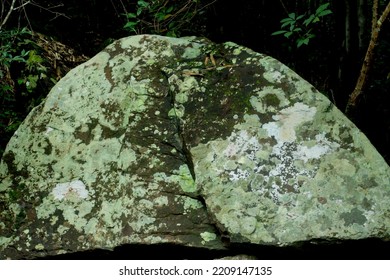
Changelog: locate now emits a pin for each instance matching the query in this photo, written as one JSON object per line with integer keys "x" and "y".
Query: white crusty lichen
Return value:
{"x": 287, "y": 121}
{"x": 74, "y": 188}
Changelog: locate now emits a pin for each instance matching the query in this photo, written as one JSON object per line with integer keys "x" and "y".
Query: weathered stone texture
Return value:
{"x": 163, "y": 140}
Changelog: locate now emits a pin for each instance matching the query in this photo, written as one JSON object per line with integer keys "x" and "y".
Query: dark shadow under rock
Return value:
{"x": 368, "y": 249}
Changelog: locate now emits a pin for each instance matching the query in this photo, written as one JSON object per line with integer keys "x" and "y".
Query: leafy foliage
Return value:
{"x": 302, "y": 26}
{"x": 22, "y": 70}
{"x": 8, "y": 53}
{"x": 162, "y": 17}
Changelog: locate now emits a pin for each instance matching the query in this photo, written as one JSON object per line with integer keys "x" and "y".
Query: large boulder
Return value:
{"x": 179, "y": 140}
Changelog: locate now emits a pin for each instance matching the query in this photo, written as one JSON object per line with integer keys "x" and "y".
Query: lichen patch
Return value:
{"x": 68, "y": 190}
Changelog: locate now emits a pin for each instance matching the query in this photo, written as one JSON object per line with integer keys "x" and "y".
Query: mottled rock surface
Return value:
{"x": 162, "y": 140}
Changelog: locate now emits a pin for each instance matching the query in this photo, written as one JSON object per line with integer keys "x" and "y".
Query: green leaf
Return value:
{"x": 288, "y": 34}
{"x": 131, "y": 25}
{"x": 18, "y": 59}
{"x": 160, "y": 16}
{"x": 171, "y": 26}
{"x": 292, "y": 15}
{"x": 21, "y": 81}
{"x": 302, "y": 41}
{"x": 290, "y": 22}
{"x": 321, "y": 8}
{"x": 324, "y": 13}
{"x": 299, "y": 17}
{"x": 287, "y": 20}
{"x": 169, "y": 10}
{"x": 171, "y": 34}
{"x": 131, "y": 15}
{"x": 306, "y": 41}
{"x": 309, "y": 20}
{"x": 142, "y": 4}
{"x": 24, "y": 52}
{"x": 279, "y": 32}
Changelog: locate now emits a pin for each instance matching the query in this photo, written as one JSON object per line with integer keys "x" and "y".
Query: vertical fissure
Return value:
{"x": 181, "y": 146}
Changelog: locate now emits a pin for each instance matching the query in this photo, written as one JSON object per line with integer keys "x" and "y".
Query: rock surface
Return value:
{"x": 163, "y": 140}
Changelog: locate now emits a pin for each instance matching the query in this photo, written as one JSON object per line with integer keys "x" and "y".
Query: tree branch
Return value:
{"x": 51, "y": 10}
{"x": 8, "y": 14}
{"x": 374, "y": 14}
{"x": 361, "y": 82}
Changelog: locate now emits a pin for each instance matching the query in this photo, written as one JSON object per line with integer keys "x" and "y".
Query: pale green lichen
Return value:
{"x": 208, "y": 236}
{"x": 269, "y": 99}
{"x": 4, "y": 241}
{"x": 138, "y": 95}
{"x": 161, "y": 201}
{"x": 193, "y": 52}
{"x": 111, "y": 211}
{"x": 181, "y": 97}
{"x": 143, "y": 223}
{"x": 154, "y": 240}
{"x": 191, "y": 204}
{"x": 176, "y": 112}
{"x": 6, "y": 183}
{"x": 46, "y": 208}
{"x": 62, "y": 229}
{"x": 92, "y": 226}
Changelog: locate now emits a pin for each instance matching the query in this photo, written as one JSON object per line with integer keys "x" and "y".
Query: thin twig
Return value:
{"x": 28, "y": 20}
{"x": 2, "y": 9}
{"x": 21, "y": 6}
{"x": 284, "y": 7}
{"x": 50, "y": 10}
{"x": 205, "y": 6}
{"x": 8, "y": 14}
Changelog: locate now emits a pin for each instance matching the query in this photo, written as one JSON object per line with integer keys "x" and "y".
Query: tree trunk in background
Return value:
{"x": 347, "y": 26}
{"x": 376, "y": 27}
{"x": 351, "y": 42}
{"x": 362, "y": 25}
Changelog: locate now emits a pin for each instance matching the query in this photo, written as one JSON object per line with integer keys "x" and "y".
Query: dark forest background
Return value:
{"x": 43, "y": 39}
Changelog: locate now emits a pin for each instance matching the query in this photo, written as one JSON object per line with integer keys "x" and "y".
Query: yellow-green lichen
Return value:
{"x": 39, "y": 247}
{"x": 184, "y": 179}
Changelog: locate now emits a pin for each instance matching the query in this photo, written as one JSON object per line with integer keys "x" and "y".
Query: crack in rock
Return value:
{"x": 176, "y": 113}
